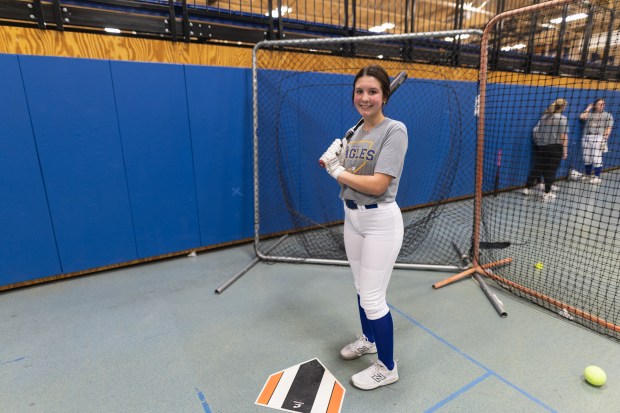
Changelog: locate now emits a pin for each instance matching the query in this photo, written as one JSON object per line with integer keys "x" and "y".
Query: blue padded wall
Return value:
{"x": 75, "y": 126}
{"x": 431, "y": 134}
{"x": 154, "y": 128}
{"x": 220, "y": 113}
{"x": 284, "y": 109}
{"x": 108, "y": 162}
{"x": 333, "y": 93}
{"x": 514, "y": 137}
{"x": 27, "y": 244}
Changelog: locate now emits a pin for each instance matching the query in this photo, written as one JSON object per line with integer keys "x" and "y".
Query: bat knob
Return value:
{"x": 322, "y": 163}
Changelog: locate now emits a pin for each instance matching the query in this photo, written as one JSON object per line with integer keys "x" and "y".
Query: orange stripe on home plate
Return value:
{"x": 269, "y": 388}
{"x": 335, "y": 403}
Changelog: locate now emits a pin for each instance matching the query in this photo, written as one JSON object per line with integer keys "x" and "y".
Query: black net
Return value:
{"x": 557, "y": 212}
{"x": 550, "y": 206}
{"x": 304, "y": 102}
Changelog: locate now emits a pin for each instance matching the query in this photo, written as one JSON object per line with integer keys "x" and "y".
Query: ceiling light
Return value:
{"x": 384, "y": 27}
{"x": 458, "y": 36}
{"x": 515, "y": 47}
{"x": 570, "y": 18}
{"x": 470, "y": 7}
{"x": 112, "y": 30}
{"x": 284, "y": 10}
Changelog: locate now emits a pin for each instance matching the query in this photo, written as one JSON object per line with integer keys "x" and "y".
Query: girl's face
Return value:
{"x": 599, "y": 106}
{"x": 368, "y": 97}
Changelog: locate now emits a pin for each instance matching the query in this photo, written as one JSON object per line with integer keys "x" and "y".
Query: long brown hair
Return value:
{"x": 378, "y": 73}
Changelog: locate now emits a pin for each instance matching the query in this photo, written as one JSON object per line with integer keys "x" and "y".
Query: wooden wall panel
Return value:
{"x": 18, "y": 40}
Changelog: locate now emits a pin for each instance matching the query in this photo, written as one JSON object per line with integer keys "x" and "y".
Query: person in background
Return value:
{"x": 550, "y": 147}
{"x": 368, "y": 168}
{"x": 598, "y": 125}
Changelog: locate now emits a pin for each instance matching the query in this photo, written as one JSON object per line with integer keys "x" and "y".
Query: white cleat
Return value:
{"x": 375, "y": 376}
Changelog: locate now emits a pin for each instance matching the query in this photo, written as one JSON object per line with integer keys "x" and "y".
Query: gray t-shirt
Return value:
{"x": 550, "y": 128}
{"x": 380, "y": 150}
{"x": 597, "y": 122}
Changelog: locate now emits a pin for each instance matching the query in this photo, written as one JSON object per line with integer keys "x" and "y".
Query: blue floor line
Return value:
{"x": 12, "y": 361}
{"x": 489, "y": 372}
{"x": 458, "y": 392}
{"x": 203, "y": 401}
{"x": 529, "y": 396}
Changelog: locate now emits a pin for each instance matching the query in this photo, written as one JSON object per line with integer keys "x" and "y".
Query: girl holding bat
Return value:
{"x": 368, "y": 168}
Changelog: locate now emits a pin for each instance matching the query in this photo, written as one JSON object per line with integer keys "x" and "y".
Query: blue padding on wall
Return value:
{"x": 290, "y": 103}
{"x": 441, "y": 137}
{"x": 27, "y": 245}
{"x": 273, "y": 216}
{"x": 514, "y": 135}
{"x": 308, "y": 95}
{"x": 108, "y": 162}
{"x": 154, "y": 127}
{"x": 221, "y": 128}
{"x": 76, "y": 131}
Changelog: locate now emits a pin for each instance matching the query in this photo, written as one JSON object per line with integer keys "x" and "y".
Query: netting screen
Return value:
{"x": 548, "y": 174}
{"x": 555, "y": 202}
{"x": 303, "y": 101}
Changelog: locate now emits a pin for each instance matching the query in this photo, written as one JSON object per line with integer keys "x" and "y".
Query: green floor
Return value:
{"x": 156, "y": 338}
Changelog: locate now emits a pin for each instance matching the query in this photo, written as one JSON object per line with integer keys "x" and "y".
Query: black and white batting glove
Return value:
{"x": 333, "y": 166}
{"x": 334, "y": 150}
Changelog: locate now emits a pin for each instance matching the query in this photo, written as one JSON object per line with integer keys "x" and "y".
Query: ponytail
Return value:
{"x": 557, "y": 106}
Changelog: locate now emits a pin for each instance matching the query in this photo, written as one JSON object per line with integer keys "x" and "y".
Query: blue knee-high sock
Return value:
{"x": 366, "y": 328}
{"x": 588, "y": 169}
{"x": 598, "y": 170}
{"x": 384, "y": 338}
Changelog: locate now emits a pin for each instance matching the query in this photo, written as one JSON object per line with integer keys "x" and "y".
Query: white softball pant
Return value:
{"x": 592, "y": 146}
{"x": 372, "y": 239}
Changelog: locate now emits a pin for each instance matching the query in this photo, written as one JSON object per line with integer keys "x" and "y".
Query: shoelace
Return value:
{"x": 378, "y": 367}
{"x": 361, "y": 338}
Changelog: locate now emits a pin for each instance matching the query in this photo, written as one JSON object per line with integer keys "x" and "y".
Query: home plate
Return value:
{"x": 307, "y": 387}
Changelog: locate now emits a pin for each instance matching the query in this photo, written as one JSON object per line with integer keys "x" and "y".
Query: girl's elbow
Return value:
{"x": 381, "y": 185}
{"x": 379, "y": 190}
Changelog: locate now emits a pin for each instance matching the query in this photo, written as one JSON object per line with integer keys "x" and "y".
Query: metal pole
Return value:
{"x": 497, "y": 304}
{"x": 245, "y": 269}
